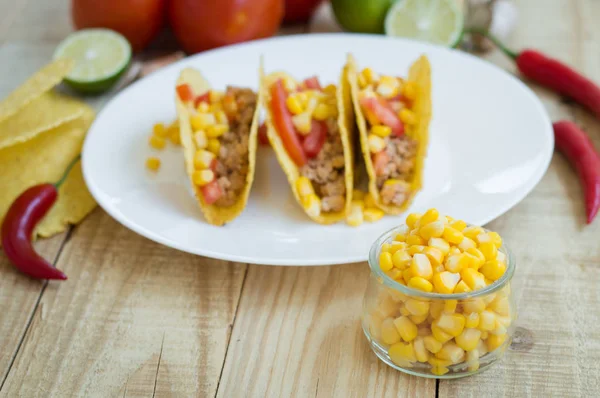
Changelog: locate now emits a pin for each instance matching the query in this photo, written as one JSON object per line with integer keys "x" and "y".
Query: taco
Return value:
{"x": 218, "y": 132}
{"x": 393, "y": 116}
{"x": 309, "y": 128}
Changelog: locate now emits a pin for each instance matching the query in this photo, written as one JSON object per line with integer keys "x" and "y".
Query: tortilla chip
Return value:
{"x": 44, "y": 79}
{"x": 44, "y": 113}
{"x": 44, "y": 159}
{"x": 346, "y": 126}
{"x": 215, "y": 215}
{"x": 420, "y": 74}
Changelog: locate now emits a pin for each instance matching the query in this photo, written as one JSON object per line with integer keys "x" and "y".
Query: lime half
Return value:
{"x": 433, "y": 21}
{"x": 101, "y": 56}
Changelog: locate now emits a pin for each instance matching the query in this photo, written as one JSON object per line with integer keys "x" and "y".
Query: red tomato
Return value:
{"x": 213, "y": 165}
{"x": 211, "y": 192}
{"x": 263, "y": 139}
{"x": 185, "y": 92}
{"x": 138, "y": 20}
{"x": 384, "y": 113}
{"x": 201, "y": 25}
{"x": 315, "y": 139}
{"x": 380, "y": 160}
{"x": 284, "y": 126}
{"x": 201, "y": 98}
{"x": 300, "y": 10}
{"x": 312, "y": 83}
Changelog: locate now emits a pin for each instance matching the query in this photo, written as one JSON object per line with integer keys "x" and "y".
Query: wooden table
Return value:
{"x": 136, "y": 319}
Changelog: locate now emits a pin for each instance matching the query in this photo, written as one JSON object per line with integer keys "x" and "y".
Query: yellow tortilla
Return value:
{"x": 420, "y": 74}
{"x": 346, "y": 126}
{"x": 215, "y": 215}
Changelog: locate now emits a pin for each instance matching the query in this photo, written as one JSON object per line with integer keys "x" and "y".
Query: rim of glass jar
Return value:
{"x": 375, "y": 269}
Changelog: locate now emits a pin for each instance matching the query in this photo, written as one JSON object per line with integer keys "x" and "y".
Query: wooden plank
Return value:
{"x": 297, "y": 333}
{"x": 558, "y": 352}
{"x": 134, "y": 319}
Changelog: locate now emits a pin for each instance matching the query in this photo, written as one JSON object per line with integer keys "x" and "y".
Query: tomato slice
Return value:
{"x": 313, "y": 143}
{"x": 384, "y": 113}
{"x": 380, "y": 160}
{"x": 211, "y": 192}
{"x": 184, "y": 91}
{"x": 283, "y": 124}
{"x": 312, "y": 83}
{"x": 201, "y": 98}
{"x": 213, "y": 165}
{"x": 263, "y": 139}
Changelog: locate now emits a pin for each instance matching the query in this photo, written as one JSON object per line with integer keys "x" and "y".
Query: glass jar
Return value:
{"x": 403, "y": 324}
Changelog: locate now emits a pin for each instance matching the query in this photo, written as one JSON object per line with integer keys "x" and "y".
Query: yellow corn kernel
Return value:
{"x": 501, "y": 257}
{"x": 473, "y": 305}
{"x": 386, "y": 247}
{"x": 354, "y": 217}
{"x": 221, "y": 117}
{"x": 445, "y": 282}
{"x": 376, "y": 143}
{"x": 174, "y": 136}
{"x": 409, "y": 90}
{"x": 407, "y": 117}
{"x": 472, "y": 320}
{"x": 430, "y": 215}
{"x": 407, "y": 329}
{"x": 201, "y": 121}
{"x": 450, "y": 306}
{"x": 436, "y": 308}
{"x": 439, "y": 370}
{"x": 375, "y": 321}
{"x": 404, "y": 312}
{"x": 385, "y": 261}
{"x": 483, "y": 237}
{"x": 419, "y": 283}
{"x": 420, "y": 266}
{"x": 312, "y": 205}
{"x": 153, "y": 163}
{"x": 358, "y": 194}
{"x": 203, "y": 177}
{"x": 454, "y": 251}
{"x": 485, "y": 335}
{"x": 432, "y": 345}
{"x": 217, "y": 106}
{"x": 394, "y": 273}
{"x": 489, "y": 250}
{"x": 416, "y": 249}
{"x": 505, "y": 320}
{"x": 415, "y": 240}
{"x": 417, "y": 307}
{"x": 421, "y": 352}
{"x": 440, "y": 244}
{"x": 468, "y": 339}
{"x": 213, "y": 146}
{"x": 203, "y": 107}
{"x": 493, "y": 269}
{"x": 407, "y": 275}
{"x": 456, "y": 263}
{"x": 472, "y": 278}
{"x": 401, "y": 259}
{"x": 458, "y": 225}
{"x": 289, "y": 84}
{"x": 402, "y": 354}
{"x": 157, "y": 142}
{"x": 499, "y": 329}
{"x": 304, "y": 186}
{"x": 396, "y": 246}
{"x": 473, "y": 360}
{"x": 293, "y": 104}
{"x": 381, "y": 130}
{"x": 434, "y": 255}
{"x": 438, "y": 362}
{"x": 461, "y": 287}
{"x": 330, "y": 89}
{"x": 477, "y": 258}
{"x": 481, "y": 346}
{"x": 472, "y": 232}
{"x": 370, "y": 201}
{"x": 432, "y": 230}
{"x": 372, "y": 214}
{"x": 388, "y": 86}
{"x": 500, "y": 305}
{"x": 412, "y": 219}
{"x": 159, "y": 130}
{"x": 487, "y": 299}
{"x": 452, "y": 324}
{"x": 495, "y": 341}
{"x": 487, "y": 321}
{"x": 439, "y": 334}
{"x": 302, "y": 122}
{"x": 200, "y": 139}
{"x": 451, "y": 352}
{"x": 215, "y": 96}
{"x": 369, "y": 75}
{"x": 496, "y": 239}
{"x": 203, "y": 159}
{"x": 389, "y": 333}
{"x": 452, "y": 235}
{"x": 216, "y": 130}
{"x": 466, "y": 244}
{"x": 418, "y": 319}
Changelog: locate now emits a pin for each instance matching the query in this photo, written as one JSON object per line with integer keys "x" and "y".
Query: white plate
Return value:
{"x": 491, "y": 142}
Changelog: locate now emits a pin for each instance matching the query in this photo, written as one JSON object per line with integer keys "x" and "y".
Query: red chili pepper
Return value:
{"x": 555, "y": 75}
{"x": 580, "y": 152}
{"x": 18, "y": 225}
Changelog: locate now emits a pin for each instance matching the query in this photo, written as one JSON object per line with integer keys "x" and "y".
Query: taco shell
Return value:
{"x": 420, "y": 75}
{"x": 215, "y": 215}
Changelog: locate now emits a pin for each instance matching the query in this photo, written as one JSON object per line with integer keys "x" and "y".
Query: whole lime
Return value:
{"x": 365, "y": 16}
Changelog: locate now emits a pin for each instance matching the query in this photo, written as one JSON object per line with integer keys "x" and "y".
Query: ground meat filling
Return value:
{"x": 326, "y": 171}
{"x": 402, "y": 152}
{"x": 232, "y": 166}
